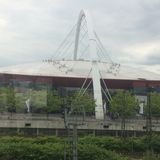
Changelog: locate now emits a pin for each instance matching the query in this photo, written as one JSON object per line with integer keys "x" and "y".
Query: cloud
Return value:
{"x": 153, "y": 59}
{"x": 32, "y": 30}
{"x": 143, "y": 52}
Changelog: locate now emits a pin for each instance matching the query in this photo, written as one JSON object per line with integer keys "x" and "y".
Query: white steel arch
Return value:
{"x": 99, "y": 112}
{"x": 91, "y": 34}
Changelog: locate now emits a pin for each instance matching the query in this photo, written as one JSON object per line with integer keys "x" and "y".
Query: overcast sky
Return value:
{"x": 31, "y": 30}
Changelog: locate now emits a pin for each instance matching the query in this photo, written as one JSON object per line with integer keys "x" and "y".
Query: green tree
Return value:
{"x": 83, "y": 102}
{"x": 38, "y": 100}
{"x": 152, "y": 109}
{"x": 54, "y": 101}
{"x": 125, "y": 105}
{"x": 10, "y": 99}
{"x": 2, "y": 98}
{"x": 155, "y": 104}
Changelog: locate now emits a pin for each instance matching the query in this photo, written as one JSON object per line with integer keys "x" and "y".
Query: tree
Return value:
{"x": 125, "y": 105}
{"x": 83, "y": 102}
{"x": 54, "y": 101}
{"x": 38, "y": 100}
{"x": 152, "y": 110}
{"x": 2, "y": 99}
{"x": 10, "y": 99}
{"x": 155, "y": 104}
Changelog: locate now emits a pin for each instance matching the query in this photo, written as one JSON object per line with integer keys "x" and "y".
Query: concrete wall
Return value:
{"x": 34, "y": 124}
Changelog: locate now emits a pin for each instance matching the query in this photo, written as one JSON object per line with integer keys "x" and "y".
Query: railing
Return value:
{"x": 36, "y": 116}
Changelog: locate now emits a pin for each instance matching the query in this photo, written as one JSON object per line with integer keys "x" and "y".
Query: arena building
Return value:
{"x": 94, "y": 73}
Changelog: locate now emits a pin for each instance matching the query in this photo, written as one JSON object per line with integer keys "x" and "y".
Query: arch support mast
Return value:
{"x": 99, "y": 111}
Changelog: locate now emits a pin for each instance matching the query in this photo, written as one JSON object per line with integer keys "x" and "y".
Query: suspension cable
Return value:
{"x": 84, "y": 82}
{"x": 105, "y": 86}
{"x": 65, "y": 39}
{"x": 102, "y": 46}
{"x": 87, "y": 87}
{"x": 105, "y": 94}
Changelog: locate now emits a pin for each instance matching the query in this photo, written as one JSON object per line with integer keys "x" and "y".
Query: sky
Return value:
{"x": 32, "y": 30}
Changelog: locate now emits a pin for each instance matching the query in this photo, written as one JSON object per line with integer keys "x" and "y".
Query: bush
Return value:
{"x": 49, "y": 148}
{"x": 93, "y": 152}
{"x": 89, "y": 148}
{"x": 26, "y": 151}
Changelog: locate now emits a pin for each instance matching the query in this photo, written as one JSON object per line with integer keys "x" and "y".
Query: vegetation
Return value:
{"x": 83, "y": 102}
{"x": 125, "y": 105}
{"x": 38, "y": 100}
{"x": 2, "y": 99}
{"x": 155, "y": 104}
{"x": 47, "y": 100}
{"x": 89, "y": 148}
{"x": 49, "y": 148}
{"x": 54, "y": 102}
{"x": 10, "y": 99}
{"x": 43, "y": 100}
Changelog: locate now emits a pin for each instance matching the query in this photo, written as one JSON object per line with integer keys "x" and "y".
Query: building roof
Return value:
{"x": 79, "y": 69}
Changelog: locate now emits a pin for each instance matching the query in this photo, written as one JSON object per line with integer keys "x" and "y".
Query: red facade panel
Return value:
{"x": 77, "y": 82}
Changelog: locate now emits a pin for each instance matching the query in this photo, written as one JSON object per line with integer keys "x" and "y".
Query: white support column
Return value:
{"x": 99, "y": 112}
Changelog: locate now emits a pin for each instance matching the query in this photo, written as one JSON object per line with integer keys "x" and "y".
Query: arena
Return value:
{"x": 95, "y": 72}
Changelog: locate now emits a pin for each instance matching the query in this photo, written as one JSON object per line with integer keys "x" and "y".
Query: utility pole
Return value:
{"x": 75, "y": 142}
{"x": 149, "y": 122}
{"x": 72, "y": 120}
